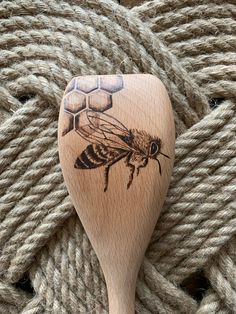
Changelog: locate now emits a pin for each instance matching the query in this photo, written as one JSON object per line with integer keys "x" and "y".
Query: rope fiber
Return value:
{"x": 191, "y": 46}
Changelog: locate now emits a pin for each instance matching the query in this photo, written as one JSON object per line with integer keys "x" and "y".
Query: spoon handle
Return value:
{"x": 122, "y": 301}
{"x": 116, "y": 144}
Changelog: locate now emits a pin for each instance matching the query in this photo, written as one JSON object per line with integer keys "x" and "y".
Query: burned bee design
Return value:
{"x": 110, "y": 141}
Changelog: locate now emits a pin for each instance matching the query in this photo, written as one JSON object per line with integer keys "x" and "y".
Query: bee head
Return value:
{"x": 154, "y": 148}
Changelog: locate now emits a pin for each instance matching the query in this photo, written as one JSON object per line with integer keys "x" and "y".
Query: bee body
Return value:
{"x": 110, "y": 141}
{"x": 95, "y": 156}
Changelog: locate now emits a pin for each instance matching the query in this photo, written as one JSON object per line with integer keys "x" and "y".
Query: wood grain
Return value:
{"x": 130, "y": 133}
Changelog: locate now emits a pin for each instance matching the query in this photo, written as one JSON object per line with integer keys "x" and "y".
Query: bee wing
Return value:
{"x": 100, "y": 128}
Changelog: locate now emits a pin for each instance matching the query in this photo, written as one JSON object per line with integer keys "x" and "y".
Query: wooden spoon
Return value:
{"x": 116, "y": 144}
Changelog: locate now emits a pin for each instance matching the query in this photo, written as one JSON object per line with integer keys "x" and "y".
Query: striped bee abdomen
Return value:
{"x": 95, "y": 156}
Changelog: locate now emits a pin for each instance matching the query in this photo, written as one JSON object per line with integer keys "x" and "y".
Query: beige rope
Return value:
{"x": 191, "y": 46}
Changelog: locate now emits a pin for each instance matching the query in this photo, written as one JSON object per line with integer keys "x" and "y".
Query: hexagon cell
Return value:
{"x": 100, "y": 101}
{"x": 87, "y": 84}
{"x": 70, "y": 86}
{"x": 68, "y": 123}
{"x": 74, "y": 102}
{"x": 82, "y": 123}
{"x": 111, "y": 84}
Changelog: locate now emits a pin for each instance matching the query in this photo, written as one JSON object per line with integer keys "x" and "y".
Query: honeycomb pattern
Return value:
{"x": 68, "y": 122}
{"x": 87, "y": 84}
{"x": 111, "y": 84}
{"x": 100, "y": 101}
{"x": 70, "y": 86}
{"x": 88, "y": 93}
{"x": 82, "y": 122}
{"x": 75, "y": 102}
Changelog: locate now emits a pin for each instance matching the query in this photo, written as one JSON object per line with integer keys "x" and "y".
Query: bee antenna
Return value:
{"x": 165, "y": 155}
{"x": 159, "y": 165}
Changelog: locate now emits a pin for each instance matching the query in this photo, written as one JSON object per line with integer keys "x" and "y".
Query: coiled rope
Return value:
{"x": 191, "y": 46}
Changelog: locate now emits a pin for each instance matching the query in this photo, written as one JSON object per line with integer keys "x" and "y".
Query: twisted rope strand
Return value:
{"x": 190, "y": 46}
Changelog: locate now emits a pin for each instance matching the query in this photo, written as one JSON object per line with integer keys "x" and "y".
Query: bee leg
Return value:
{"x": 143, "y": 165}
{"x": 131, "y": 175}
{"x": 106, "y": 175}
{"x": 159, "y": 165}
{"x": 132, "y": 170}
{"x": 107, "y": 168}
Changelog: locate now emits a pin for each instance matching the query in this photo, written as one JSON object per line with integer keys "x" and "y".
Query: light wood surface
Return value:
{"x": 123, "y": 131}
